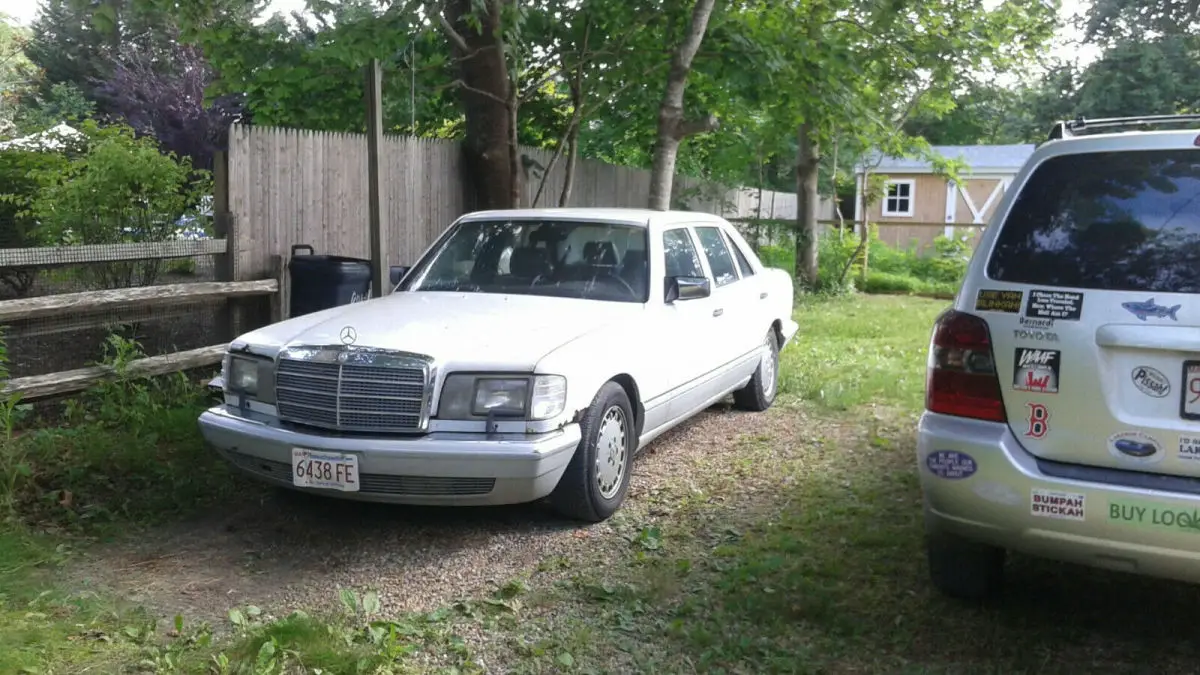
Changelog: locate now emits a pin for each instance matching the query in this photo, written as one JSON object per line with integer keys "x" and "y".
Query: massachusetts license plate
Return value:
{"x": 1189, "y": 407}
{"x": 329, "y": 470}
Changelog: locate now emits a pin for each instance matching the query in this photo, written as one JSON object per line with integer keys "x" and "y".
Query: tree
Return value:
{"x": 855, "y": 72}
{"x": 672, "y": 126}
{"x": 18, "y": 76}
{"x": 168, "y": 102}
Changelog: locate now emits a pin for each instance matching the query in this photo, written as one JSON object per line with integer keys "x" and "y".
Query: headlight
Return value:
{"x": 472, "y": 396}
{"x": 243, "y": 376}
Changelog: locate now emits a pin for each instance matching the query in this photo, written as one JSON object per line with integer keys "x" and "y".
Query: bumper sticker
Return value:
{"x": 951, "y": 464}
{"x": 1135, "y": 446}
{"x": 1189, "y": 448}
{"x": 1057, "y": 505}
{"x": 993, "y": 300}
{"x": 1149, "y": 515}
{"x": 1061, "y": 305}
{"x": 1036, "y": 370}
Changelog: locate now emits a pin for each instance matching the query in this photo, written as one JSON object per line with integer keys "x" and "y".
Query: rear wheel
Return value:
{"x": 597, "y": 480}
{"x": 964, "y": 569}
{"x": 759, "y": 392}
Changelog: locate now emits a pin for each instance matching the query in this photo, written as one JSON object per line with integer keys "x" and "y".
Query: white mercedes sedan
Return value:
{"x": 528, "y": 354}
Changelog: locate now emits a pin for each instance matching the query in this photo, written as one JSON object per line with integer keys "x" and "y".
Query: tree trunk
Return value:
{"x": 808, "y": 201}
{"x": 672, "y": 128}
{"x": 486, "y": 97}
{"x": 564, "y": 200}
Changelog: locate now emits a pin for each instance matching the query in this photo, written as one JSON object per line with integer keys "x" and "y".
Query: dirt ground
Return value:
{"x": 281, "y": 551}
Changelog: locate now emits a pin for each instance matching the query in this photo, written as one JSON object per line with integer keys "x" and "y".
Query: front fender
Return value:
{"x": 599, "y": 356}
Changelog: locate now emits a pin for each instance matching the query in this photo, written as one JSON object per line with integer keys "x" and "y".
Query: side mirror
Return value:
{"x": 686, "y": 288}
{"x": 397, "y": 272}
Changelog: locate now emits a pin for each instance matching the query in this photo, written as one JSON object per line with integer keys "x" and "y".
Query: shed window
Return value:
{"x": 899, "y": 199}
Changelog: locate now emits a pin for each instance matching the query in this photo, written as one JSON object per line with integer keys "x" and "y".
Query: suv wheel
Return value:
{"x": 964, "y": 569}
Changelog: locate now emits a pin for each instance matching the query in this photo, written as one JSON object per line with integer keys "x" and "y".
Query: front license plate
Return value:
{"x": 1189, "y": 406}
{"x": 328, "y": 470}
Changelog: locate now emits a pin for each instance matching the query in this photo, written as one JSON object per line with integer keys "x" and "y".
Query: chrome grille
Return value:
{"x": 353, "y": 390}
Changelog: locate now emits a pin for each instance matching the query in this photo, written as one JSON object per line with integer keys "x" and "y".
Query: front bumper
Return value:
{"x": 1008, "y": 501}
{"x": 439, "y": 468}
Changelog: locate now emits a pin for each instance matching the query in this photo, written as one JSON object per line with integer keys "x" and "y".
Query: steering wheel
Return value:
{"x": 629, "y": 289}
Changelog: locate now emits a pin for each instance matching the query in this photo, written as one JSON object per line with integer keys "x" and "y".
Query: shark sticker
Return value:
{"x": 1151, "y": 310}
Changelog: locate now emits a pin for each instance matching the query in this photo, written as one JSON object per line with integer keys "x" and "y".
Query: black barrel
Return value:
{"x": 324, "y": 281}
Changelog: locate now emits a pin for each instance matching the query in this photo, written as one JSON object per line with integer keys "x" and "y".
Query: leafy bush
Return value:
{"x": 889, "y": 270}
{"x": 128, "y": 450}
{"x": 19, "y": 186}
{"x": 122, "y": 190}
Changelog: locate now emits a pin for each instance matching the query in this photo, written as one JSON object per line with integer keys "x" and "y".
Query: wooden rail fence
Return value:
{"x": 50, "y": 306}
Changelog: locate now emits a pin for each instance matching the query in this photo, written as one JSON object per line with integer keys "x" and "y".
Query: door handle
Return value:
{"x": 762, "y": 296}
{"x": 718, "y": 312}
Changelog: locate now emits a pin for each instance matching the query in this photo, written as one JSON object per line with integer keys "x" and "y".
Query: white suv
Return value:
{"x": 1063, "y": 393}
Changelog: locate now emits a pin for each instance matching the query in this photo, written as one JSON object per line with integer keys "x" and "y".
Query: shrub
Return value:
{"x": 122, "y": 190}
{"x": 19, "y": 186}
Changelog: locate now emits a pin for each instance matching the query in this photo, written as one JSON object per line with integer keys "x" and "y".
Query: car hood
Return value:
{"x": 465, "y": 329}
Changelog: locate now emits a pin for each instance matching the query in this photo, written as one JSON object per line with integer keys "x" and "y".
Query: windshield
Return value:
{"x": 568, "y": 259}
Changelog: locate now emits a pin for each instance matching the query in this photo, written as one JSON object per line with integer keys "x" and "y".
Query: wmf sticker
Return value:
{"x": 990, "y": 300}
{"x": 1058, "y": 305}
{"x": 1056, "y": 504}
{"x": 1138, "y": 513}
{"x": 1036, "y": 370}
{"x": 1189, "y": 448}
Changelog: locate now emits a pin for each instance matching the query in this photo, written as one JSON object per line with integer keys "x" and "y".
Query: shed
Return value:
{"x": 919, "y": 205}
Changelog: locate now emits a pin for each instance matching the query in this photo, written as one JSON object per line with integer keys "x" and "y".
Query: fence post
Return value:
{"x": 374, "y": 105}
{"x": 225, "y": 227}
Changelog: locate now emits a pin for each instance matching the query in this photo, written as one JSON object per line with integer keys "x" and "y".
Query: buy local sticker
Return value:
{"x": 1139, "y": 513}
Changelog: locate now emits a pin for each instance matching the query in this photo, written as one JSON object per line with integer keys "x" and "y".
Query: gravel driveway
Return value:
{"x": 288, "y": 551}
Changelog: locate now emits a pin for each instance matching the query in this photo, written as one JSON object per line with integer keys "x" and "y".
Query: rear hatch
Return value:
{"x": 1091, "y": 299}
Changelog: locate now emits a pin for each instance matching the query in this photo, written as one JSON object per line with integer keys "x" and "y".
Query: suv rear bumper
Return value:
{"x": 1150, "y": 532}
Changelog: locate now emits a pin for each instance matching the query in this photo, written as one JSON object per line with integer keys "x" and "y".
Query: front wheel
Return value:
{"x": 596, "y": 481}
{"x": 759, "y": 392}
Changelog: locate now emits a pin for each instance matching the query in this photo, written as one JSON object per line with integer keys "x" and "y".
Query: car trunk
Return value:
{"x": 1099, "y": 357}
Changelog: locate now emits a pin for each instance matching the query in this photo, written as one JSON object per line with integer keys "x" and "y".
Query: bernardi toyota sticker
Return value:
{"x": 1056, "y": 504}
{"x": 1137, "y": 513}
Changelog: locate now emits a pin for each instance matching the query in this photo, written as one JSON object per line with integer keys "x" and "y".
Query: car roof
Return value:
{"x": 642, "y": 217}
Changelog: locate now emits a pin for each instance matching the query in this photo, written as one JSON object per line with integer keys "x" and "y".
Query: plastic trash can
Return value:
{"x": 324, "y": 281}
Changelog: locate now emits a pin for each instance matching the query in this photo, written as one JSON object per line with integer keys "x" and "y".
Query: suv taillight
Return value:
{"x": 961, "y": 379}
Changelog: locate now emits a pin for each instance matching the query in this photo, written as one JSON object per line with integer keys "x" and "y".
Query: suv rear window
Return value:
{"x": 1122, "y": 221}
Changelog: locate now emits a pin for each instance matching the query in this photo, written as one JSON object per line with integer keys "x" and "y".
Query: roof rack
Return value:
{"x": 1069, "y": 128}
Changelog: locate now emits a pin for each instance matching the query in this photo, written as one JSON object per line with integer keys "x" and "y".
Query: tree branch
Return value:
{"x": 451, "y": 34}
{"x": 466, "y": 87}
{"x": 706, "y": 124}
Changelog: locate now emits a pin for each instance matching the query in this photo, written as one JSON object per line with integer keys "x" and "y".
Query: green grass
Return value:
{"x": 858, "y": 350}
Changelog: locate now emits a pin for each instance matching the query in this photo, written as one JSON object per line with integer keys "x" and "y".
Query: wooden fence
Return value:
{"x": 284, "y": 187}
{"x": 32, "y": 387}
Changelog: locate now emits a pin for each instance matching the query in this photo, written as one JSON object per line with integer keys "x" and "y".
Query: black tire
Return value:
{"x": 579, "y": 493}
{"x": 963, "y": 569}
{"x": 753, "y": 397}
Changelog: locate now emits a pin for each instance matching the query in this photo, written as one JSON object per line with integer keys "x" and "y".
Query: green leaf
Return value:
{"x": 565, "y": 659}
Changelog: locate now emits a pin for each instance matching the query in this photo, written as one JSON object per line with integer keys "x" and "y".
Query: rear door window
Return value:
{"x": 1118, "y": 221}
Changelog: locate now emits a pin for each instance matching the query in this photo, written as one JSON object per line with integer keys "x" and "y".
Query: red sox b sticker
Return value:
{"x": 1039, "y": 421}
